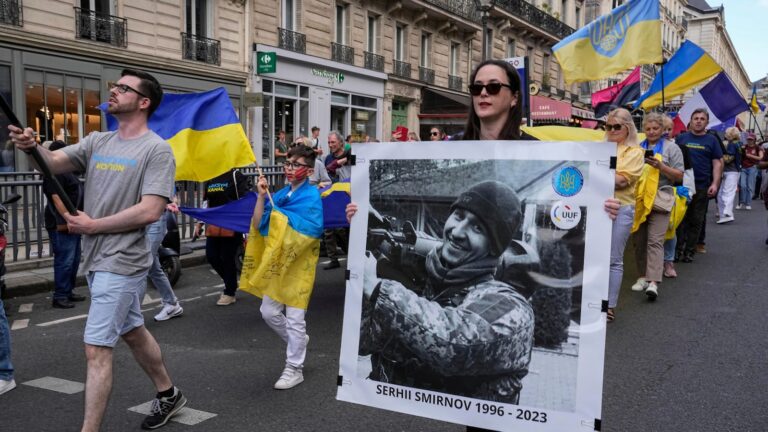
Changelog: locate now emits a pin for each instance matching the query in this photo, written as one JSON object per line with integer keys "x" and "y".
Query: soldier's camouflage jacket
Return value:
{"x": 474, "y": 340}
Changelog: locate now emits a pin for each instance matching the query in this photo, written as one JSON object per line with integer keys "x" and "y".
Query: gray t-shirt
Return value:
{"x": 673, "y": 157}
{"x": 117, "y": 174}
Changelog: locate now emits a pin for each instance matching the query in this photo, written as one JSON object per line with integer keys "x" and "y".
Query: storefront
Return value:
{"x": 583, "y": 118}
{"x": 444, "y": 109}
{"x": 546, "y": 111}
{"x": 58, "y": 94}
{"x": 306, "y": 91}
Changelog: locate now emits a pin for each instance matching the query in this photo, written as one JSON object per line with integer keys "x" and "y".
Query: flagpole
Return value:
{"x": 261, "y": 174}
{"x": 757, "y": 124}
{"x": 663, "y": 107}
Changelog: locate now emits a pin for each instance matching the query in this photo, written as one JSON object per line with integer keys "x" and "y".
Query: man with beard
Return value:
{"x": 339, "y": 168}
{"x": 466, "y": 334}
{"x": 129, "y": 179}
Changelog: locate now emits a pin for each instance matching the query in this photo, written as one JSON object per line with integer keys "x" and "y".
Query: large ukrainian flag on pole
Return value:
{"x": 204, "y": 132}
{"x": 689, "y": 66}
{"x": 281, "y": 255}
{"x": 628, "y": 36}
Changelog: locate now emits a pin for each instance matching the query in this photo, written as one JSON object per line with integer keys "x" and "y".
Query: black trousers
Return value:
{"x": 331, "y": 241}
{"x": 695, "y": 218}
{"x": 221, "y": 253}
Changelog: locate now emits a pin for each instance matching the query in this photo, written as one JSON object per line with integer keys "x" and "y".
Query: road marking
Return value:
{"x": 63, "y": 320}
{"x": 148, "y": 300}
{"x": 57, "y": 385}
{"x": 26, "y": 307}
{"x": 212, "y": 294}
{"x": 221, "y": 285}
{"x": 192, "y": 298}
{"x": 212, "y": 271}
{"x": 19, "y": 324}
{"x": 187, "y": 416}
{"x": 326, "y": 262}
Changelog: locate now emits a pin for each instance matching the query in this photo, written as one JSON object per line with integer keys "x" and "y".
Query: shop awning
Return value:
{"x": 544, "y": 108}
{"x": 585, "y": 114}
{"x": 434, "y": 101}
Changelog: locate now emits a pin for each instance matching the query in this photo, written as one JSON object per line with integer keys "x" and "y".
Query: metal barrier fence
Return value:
{"x": 27, "y": 237}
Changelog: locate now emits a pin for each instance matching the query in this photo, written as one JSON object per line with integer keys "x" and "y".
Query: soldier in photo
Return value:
{"x": 463, "y": 332}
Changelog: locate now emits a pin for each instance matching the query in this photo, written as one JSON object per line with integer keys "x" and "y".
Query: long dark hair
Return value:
{"x": 511, "y": 129}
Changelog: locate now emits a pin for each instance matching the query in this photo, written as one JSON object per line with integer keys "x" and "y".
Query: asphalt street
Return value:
{"x": 695, "y": 360}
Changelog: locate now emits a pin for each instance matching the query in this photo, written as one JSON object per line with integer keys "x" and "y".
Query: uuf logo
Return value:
{"x": 567, "y": 181}
{"x": 565, "y": 216}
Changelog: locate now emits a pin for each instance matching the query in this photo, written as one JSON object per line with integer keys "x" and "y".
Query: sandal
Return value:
{"x": 610, "y": 316}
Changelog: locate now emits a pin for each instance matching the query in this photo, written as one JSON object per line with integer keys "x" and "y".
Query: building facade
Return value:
{"x": 58, "y": 58}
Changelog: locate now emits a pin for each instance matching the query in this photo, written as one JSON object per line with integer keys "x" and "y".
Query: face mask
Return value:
{"x": 300, "y": 173}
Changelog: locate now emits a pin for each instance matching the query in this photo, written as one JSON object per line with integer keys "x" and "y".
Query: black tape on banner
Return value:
{"x": 352, "y": 159}
{"x": 347, "y": 274}
{"x": 604, "y": 306}
{"x": 339, "y": 380}
{"x": 613, "y": 162}
{"x": 598, "y": 424}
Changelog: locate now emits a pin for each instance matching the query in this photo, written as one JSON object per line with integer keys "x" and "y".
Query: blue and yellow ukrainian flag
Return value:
{"x": 754, "y": 104}
{"x": 689, "y": 66}
{"x": 204, "y": 132}
{"x": 281, "y": 254}
{"x": 628, "y": 36}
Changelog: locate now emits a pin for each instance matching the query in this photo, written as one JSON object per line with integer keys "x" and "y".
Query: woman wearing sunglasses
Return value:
{"x": 620, "y": 128}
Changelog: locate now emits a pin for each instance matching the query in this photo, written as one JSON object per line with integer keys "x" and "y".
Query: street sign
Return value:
{"x": 266, "y": 62}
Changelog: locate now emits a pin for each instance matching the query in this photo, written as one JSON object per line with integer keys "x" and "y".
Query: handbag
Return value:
{"x": 664, "y": 200}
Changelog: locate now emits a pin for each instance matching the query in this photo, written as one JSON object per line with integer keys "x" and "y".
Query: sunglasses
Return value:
{"x": 434, "y": 133}
{"x": 294, "y": 165}
{"x": 122, "y": 89}
{"x": 615, "y": 127}
{"x": 490, "y": 88}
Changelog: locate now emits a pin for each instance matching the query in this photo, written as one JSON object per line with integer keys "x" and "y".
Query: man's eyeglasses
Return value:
{"x": 491, "y": 88}
{"x": 615, "y": 127}
{"x": 122, "y": 89}
{"x": 294, "y": 165}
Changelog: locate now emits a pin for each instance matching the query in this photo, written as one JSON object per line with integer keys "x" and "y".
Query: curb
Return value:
{"x": 26, "y": 278}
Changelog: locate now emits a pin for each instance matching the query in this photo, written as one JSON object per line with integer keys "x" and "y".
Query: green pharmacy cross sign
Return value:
{"x": 267, "y": 62}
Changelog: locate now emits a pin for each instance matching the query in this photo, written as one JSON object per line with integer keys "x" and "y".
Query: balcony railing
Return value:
{"x": 401, "y": 69}
{"x": 427, "y": 75}
{"x": 201, "y": 48}
{"x": 342, "y": 53}
{"x": 535, "y": 16}
{"x": 101, "y": 27}
{"x": 374, "y": 61}
{"x": 463, "y": 8}
{"x": 454, "y": 82}
{"x": 11, "y": 12}
{"x": 292, "y": 40}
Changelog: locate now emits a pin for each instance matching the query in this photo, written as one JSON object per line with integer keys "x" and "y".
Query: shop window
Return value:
{"x": 363, "y": 124}
{"x": 285, "y": 89}
{"x": 363, "y": 101}
{"x": 304, "y": 92}
{"x": 339, "y": 98}
{"x": 7, "y": 157}
{"x": 266, "y": 86}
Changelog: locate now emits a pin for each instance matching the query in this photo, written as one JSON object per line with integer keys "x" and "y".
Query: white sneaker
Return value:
{"x": 739, "y": 207}
{"x": 226, "y": 300}
{"x": 169, "y": 311}
{"x": 291, "y": 377}
{"x": 6, "y": 386}
{"x": 725, "y": 219}
{"x": 640, "y": 285}
{"x": 652, "y": 291}
{"x": 748, "y": 207}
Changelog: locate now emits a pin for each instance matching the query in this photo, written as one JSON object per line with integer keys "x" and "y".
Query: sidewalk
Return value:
{"x": 24, "y": 278}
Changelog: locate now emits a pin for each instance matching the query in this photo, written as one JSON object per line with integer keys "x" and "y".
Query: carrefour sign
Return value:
{"x": 332, "y": 77}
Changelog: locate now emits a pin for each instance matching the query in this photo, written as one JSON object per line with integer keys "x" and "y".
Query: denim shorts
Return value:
{"x": 115, "y": 306}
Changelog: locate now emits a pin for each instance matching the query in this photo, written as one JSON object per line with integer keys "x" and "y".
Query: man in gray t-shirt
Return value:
{"x": 129, "y": 174}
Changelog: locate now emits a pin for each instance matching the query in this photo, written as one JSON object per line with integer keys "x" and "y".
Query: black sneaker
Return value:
{"x": 163, "y": 409}
{"x": 333, "y": 264}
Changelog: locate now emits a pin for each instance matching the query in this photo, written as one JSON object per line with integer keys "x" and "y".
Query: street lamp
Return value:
{"x": 485, "y": 6}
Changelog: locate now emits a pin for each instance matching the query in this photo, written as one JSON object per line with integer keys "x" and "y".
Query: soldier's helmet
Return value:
{"x": 498, "y": 208}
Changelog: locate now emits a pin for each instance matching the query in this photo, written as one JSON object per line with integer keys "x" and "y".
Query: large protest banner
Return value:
{"x": 477, "y": 283}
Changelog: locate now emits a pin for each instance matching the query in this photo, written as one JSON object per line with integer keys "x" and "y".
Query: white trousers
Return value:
{"x": 727, "y": 193}
{"x": 288, "y": 322}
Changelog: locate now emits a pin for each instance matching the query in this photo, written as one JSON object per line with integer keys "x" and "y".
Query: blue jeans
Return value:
{"x": 66, "y": 260}
{"x": 669, "y": 249}
{"x": 747, "y": 185}
{"x": 621, "y": 229}
{"x": 155, "y": 233}
{"x": 6, "y": 368}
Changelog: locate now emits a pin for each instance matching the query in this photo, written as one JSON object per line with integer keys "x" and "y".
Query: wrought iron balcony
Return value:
{"x": 463, "y": 8}
{"x": 292, "y": 40}
{"x": 401, "y": 69}
{"x": 536, "y": 17}
{"x": 101, "y": 27}
{"x": 342, "y": 53}
{"x": 454, "y": 82}
{"x": 427, "y": 75}
{"x": 374, "y": 61}
{"x": 201, "y": 48}
{"x": 11, "y": 12}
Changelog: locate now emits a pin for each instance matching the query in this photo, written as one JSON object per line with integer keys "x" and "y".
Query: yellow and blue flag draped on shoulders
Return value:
{"x": 628, "y": 36}
{"x": 281, "y": 255}
{"x": 754, "y": 104}
{"x": 689, "y": 66}
{"x": 204, "y": 132}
